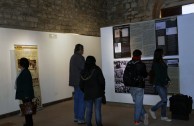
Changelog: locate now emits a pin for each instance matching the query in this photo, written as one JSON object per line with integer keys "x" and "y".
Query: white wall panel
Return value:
{"x": 53, "y": 58}
{"x": 186, "y": 46}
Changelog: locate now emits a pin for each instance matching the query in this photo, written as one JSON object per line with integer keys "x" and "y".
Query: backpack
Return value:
{"x": 130, "y": 76}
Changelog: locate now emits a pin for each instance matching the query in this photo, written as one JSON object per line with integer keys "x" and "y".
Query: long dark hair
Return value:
{"x": 158, "y": 55}
{"x": 89, "y": 67}
{"x": 90, "y": 63}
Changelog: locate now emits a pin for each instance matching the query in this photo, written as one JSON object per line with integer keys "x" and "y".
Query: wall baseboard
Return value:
{"x": 44, "y": 105}
{"x": 56, "y": 102}
{"x": 9, "y": 114}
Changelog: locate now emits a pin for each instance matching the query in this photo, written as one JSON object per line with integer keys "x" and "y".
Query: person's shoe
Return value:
{"x": 137, "y": 123}
{"x": 81, "y": 121}
{"x": 75, "y": 120}
{"x": 166, "y": 119}
{"x": 145, "y": 120}
{"x": 153, "y": 114}
{"x": 27, "y": 125}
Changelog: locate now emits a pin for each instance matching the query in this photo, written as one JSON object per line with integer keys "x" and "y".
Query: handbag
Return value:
{"x": 28, "y": 108}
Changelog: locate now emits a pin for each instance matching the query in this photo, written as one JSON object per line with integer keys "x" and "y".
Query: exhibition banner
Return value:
{"x": 31, "y": 53}
{"x": 121, "y": 41}
{"x": 173, "y": 72}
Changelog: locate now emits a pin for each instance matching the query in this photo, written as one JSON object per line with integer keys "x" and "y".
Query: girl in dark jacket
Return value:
{"x": 161, "y": 81}
{"x": 24, "y": 87}
{"x": 92, "y": 83}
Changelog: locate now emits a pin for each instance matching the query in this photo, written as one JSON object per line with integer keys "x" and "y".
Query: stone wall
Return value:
{"x": 126, "y": 11}
{"x": 78, "y": 16}
{"x": 67, "y": 16}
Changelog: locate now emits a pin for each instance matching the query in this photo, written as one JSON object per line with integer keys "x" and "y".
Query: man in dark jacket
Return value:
{"x": 138, "y": 73}
{"x": 77, "y": 62}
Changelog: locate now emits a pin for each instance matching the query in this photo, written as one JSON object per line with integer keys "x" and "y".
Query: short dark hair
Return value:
{"x": 137, "y": 52}
{"x": 78, "y": 47}
{"x": 24, "y": 62}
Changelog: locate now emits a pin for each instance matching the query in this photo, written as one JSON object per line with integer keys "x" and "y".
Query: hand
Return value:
{"x": 169, "y": 83}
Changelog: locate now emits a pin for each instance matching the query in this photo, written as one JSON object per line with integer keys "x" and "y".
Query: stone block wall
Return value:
{"x": 67, "y": 16}
{"x": 126, "y": 11}
{"x": 84, "y": 17}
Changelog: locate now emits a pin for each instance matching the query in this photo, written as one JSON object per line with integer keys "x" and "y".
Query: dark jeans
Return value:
{"x": 162, "y": 92}
{"x": 89, "y": 110}
{"x": 28, "y": 118}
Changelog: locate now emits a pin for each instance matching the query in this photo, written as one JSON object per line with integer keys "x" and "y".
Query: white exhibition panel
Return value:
{"x": 186, "y": 63}
{"x": 186, "y": 47}
{"x": 108, "y": 70}
{"x": 53, "y": 58}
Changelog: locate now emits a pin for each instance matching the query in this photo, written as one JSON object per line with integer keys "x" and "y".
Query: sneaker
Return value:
{"x": 145, "y": 120}
{"x": 137, "y": 123}
{"x": 152, "y": 113}
{"x": 75, "y": 120}
{"x": 81, "y": 121}
{"x": 166, "y": 119}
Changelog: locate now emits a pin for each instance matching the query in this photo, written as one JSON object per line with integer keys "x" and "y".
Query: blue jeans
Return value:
{"x": 89, "y": 110}
{"x": 137, "y": 95}
{"x": 162, "y": 92}
{"x": 79, "y": 104}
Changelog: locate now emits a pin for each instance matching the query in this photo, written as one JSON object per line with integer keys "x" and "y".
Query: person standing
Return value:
{"x": 92, "y": 83}
{"x": 24, "y": 87}
{"x": 161, "y": 81}
{"x": 137, "y": 72}
{"x": 77, "y": 62}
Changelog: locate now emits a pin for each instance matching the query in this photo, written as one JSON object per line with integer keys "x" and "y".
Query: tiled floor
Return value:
{"x": 114, "y": 114}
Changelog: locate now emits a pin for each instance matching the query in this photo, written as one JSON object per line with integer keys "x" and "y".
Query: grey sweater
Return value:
{"x": 77, "y": 62}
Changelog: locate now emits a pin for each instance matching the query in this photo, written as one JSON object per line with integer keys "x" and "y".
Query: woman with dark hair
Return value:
{"x": 92, "y": 83}
{"x": 24, "y": 87}
{"x": 161, "y": 82}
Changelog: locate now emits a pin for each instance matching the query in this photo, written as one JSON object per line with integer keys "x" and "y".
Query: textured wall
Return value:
{"x": 78, "y": 16}
{"x": 67, "y": 16}
{"x": 125, "y": 11}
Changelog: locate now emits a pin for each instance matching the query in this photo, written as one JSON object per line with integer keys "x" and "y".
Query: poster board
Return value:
{"x": 167, "y": 35}
{"x": 142, "y": 37}
{"x": 173, "y": 72}
{"x": 121, "y": 41}
{"x": 185, "y": 50}
{"x": 146, "y": 36}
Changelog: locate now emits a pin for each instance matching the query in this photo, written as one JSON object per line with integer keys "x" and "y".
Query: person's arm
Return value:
{"x": 141, "y": 69}
{"x": 81, "y": 85}
{"x": 81, "y": 63}
{"x": 145, "y": 73}
{"x": 101, "y": 80}
{"x": 168, "y": 78}
{"x": 28, "y": 84}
